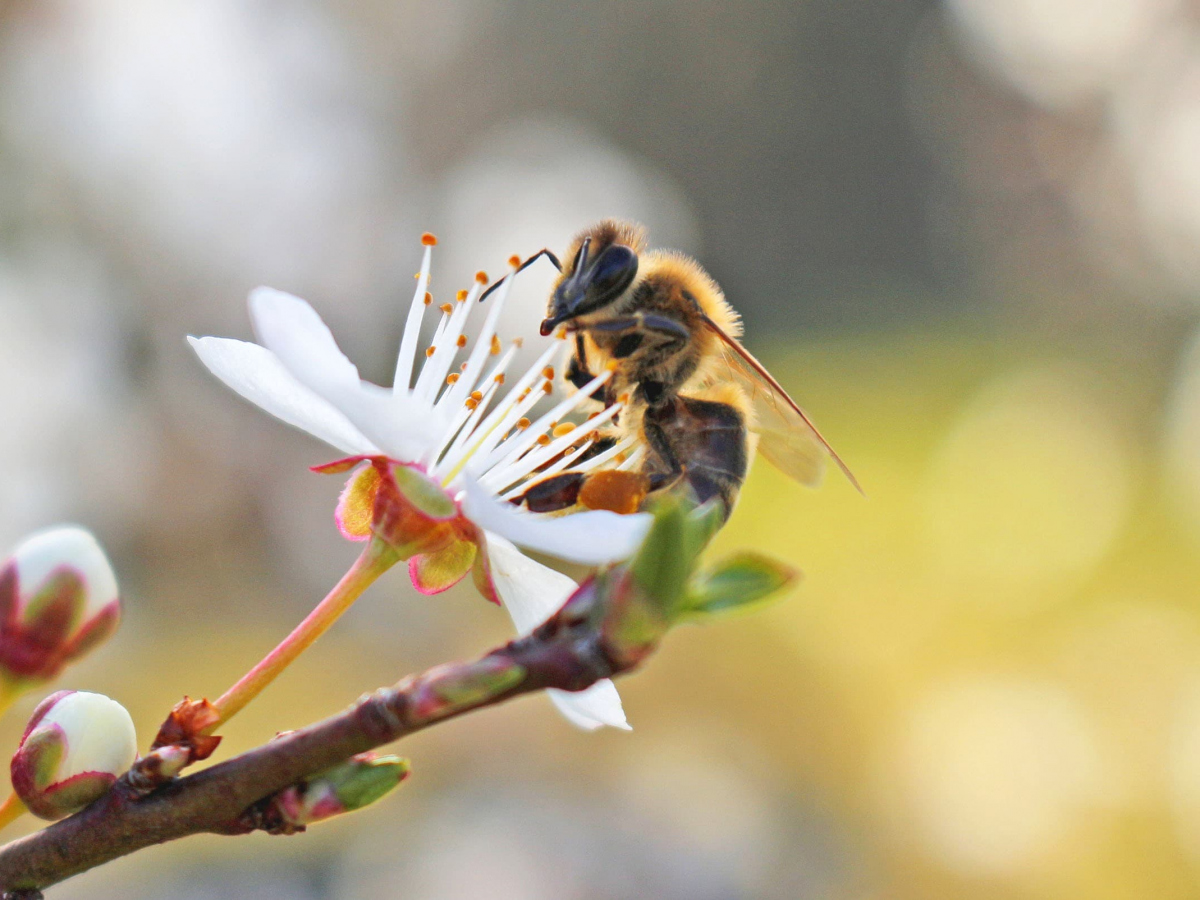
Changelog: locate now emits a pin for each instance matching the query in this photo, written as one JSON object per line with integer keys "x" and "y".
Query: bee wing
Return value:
{"x": 787, "y": 437}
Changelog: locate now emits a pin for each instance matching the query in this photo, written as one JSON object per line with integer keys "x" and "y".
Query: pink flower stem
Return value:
{"x": 376, "y": 559}
{"x": 11, "y": 810}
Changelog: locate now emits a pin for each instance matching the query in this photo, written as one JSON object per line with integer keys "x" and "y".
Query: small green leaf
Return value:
{"x": 664, "y": 562}
{"x": 361, "y": 781}
{"x": 740, "y": 582}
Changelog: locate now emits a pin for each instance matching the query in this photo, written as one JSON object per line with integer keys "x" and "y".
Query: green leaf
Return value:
{"x": 361, "y": 781}
{"x": 664, "y": 562}
{"x": 740, "y": 582}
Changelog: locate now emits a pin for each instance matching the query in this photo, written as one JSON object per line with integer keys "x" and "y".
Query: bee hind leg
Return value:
{"x": 552, "y": 494}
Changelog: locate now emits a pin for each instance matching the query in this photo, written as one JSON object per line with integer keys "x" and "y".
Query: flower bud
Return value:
{"x": 358, "y": 782}
{"x": 72, "y": 751}
{"x": 58, "y": 600}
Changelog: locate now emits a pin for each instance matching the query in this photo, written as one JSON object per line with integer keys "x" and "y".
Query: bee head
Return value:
{"x": 593, "y": 281}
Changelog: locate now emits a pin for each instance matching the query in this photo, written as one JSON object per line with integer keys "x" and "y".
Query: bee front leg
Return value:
{"x": 577, "y": 372}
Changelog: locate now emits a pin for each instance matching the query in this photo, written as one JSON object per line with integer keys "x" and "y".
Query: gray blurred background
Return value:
{"x": 964, "y": 233}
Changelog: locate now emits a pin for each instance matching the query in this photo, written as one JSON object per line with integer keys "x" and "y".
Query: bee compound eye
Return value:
{"x": 614, "y": 270}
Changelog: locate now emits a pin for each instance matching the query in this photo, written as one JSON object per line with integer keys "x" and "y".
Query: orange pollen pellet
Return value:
{"x": 428, "y": 240}
{"x": 564, "y": 428}
{"x": 523, "y": 423}
{"x": 462, "y": 340}
{"x": 514, "y": 261}
{"x": 481, "y": 277}
{"x": 499, "y": 379}
{"x": 548, "y": 388}
{"x": 430, "y": 350}
{"x": 452, "y": 378}
{"x": 561, "y": 334}
{"x": 611, "y": 365}
{"x": 543, "y": 440}
{"x": 623, "y": 399}
{"x": 460, "y": 296}
{"x": 495, "y": 346}
{"x": 621, "y": 457}
{"x": 472, "y": 403}
{"x": 446, "y": 308}
{"x": 548, "y": 372}
{"x": 477, "y": 395}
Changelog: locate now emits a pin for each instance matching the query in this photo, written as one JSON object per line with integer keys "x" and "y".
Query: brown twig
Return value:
{"x": 569, "y": 652}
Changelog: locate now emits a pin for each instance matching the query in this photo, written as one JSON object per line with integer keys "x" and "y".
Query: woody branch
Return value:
{"x": 569, "y": 652}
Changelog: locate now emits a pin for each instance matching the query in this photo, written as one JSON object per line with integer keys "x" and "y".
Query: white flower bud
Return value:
{"x": 58, "y": 599}
{"x": 74, "y": 748}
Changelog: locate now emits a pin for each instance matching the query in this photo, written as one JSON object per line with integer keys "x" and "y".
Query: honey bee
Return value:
{"x": 697, "y": 399}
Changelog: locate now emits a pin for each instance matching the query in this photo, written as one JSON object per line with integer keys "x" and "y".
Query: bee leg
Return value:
{"x": 667, "y": 330}
{"x": 546, "y": 252}
{"x": 553, "y": 493}
{"x": 578, "y": 373}
{"x": 656, "y": 437}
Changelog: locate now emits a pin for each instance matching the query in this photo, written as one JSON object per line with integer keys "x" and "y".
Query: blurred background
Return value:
{"x": 964, "y": 234}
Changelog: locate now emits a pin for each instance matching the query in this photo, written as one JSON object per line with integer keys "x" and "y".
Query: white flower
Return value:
{"x": 453, "y": 448}
{"x": 58, "y": 600}
{"x": 74, "y": 748}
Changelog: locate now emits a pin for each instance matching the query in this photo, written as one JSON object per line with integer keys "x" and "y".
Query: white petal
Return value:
{"x": 292, "y": 330}
{"x": 403, "y": 428}
{"x": 594, "y": 537}
{"x": 532, "y": 593}
{"x": 593, "y": 708}
{"x": 258, "y": 375}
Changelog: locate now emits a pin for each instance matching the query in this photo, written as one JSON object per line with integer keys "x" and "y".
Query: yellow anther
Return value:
{"x": 446, "y": 308}
{"x": 563, "y": 428}
{"x": 452, "y": 378}
{"x": 472, "y": 403}
{"x": 523, "y": 423}
{"x": 462, "y": 340}
{"x": 477, "y": 395}
{"x": 495, "y": 346}
{"x": 428, "y": 298}
{"x": 460, "y": 296}
{"x": 430, "y": 350}
{"x": 428, "y": 240}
